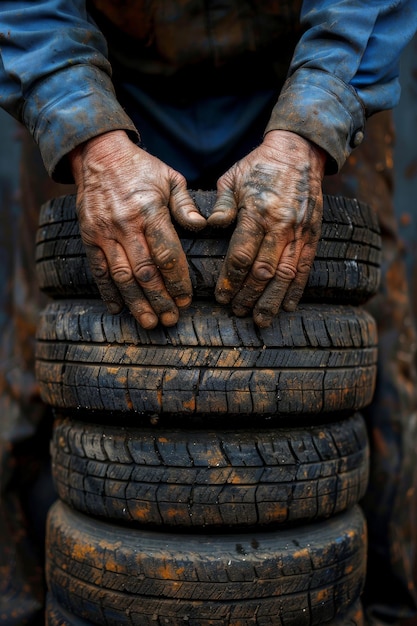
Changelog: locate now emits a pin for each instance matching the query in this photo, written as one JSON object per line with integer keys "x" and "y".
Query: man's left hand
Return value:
{"x": 276, "y": 194}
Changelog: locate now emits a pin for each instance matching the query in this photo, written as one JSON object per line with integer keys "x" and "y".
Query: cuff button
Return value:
{"x": 357, "y": 139}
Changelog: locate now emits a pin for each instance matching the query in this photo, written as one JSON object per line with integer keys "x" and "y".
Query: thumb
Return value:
{"x": 224, "y": 210}
{"x": 184, "y": 210}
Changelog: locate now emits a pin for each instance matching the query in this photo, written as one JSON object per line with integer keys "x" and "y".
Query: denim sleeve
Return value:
{"x": 55, "y": 77}
{"x": 345, "y": 68}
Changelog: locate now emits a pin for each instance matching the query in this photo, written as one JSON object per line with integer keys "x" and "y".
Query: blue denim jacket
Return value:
{"x": 55, "y": 75}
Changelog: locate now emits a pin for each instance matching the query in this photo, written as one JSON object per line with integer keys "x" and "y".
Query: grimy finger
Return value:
{"x": 128, "y": 287}
{"x": 225, "y": 208}
{"x": 243, "y": 249}
{"x": 262, "y": 272}
{"x": 169, "y": 258}
{"x": 184, "y": 210}
{"x": 270, "y": 301}
{"x": 146, "y": 272}
{"x": 101, "y": 274}
{"x": 296, "y": 288}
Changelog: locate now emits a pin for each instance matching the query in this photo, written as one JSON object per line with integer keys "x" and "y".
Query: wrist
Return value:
{"x": 103, "y": 149}
{"x": 297, "y": 148}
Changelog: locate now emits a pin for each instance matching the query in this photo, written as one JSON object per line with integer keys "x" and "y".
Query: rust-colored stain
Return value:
{"x": 303, "y": 554}
{"x": 139, "y": 512}
{"x": 80, "y": 551}
{"x": 168, "y": 572}
{"x": 323, "y": 595}
{"x": 235, "y": 479}
{"x": 170, "y": 375}
{"x": 189, "y": 405}
{"x": 405, "y": 219}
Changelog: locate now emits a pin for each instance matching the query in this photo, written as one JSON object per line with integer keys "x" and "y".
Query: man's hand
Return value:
{"x": 124, "y": 200}
{"x": 276, "y": 194}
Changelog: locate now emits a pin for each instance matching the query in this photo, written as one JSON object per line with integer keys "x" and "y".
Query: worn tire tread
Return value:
{"x": 317, "y": 359}
{"x": 114, "y": 576}
{"x": 216, "y": 478}
{"x": 346, "y": 267}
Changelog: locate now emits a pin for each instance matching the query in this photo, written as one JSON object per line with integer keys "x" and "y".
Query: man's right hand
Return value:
{"x": 125, "y": 199}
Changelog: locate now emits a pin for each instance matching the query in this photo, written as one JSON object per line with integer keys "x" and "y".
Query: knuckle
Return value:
{"x": 167, "y": 259}
{"x": 145, "y": 272}
{"x": 241, "y": 260}
{"x": 263, "y": 272}
{"x": 177, "y": 180}
{"x": 304, "y": 268}
{"x": 286, "y": 272}
{"x": 99, "y": 270}
{"x": 122, "y": 274}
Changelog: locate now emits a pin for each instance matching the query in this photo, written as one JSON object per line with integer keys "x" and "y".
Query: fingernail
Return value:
{"x": 262, "y": 320}
{"x": 223, "y": 296}
{"x": 241, "y": 311}
{"x": 290, "y": 305}
{"x": 148, "y": 321}
{"x": 113, "y": 307}
{"x": 224, "y": 292}
{"x": 183, "y": 301}
{"x": 169, "y": 318}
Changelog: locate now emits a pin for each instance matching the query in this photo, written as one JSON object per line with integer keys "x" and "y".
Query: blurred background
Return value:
{"x": 405, "y": 164}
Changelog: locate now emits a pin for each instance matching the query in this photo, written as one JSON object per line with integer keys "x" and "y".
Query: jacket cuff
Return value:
{"x": 68, "y": 108}
{"x": 322, "y": 108}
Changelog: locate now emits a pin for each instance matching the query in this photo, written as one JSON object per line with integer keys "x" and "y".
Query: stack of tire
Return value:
{"x": 210, "y": 473}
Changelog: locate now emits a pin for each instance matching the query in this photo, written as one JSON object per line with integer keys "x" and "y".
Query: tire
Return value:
{"x": 111, "y": 575}
{"x": 319, "y": 359}
{"x": 57, "y": 616}
{"x": 345, "y": 270}
{"x": 210, "y": 478}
